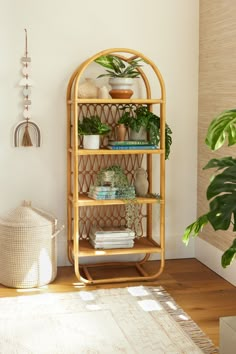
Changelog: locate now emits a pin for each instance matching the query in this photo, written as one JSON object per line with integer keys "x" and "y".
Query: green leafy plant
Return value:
{"x": 138, "y": 117}
{"x": 92, "y": 126}
{"x": 221, "y": 191}
{"x": 118, "y": 178}
{"x": 125, "y": 192}
{"x": 116, "y": 67}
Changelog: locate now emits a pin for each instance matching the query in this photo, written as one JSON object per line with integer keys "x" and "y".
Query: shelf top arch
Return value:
{"x": 122, "y": 54}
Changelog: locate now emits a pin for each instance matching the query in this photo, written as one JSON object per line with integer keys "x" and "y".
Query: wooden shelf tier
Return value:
{"x": 142, "y": 245}
{"x": 86, "y": 152}
{"x": 115, "y": 101}
{"x": 84, "y": 200}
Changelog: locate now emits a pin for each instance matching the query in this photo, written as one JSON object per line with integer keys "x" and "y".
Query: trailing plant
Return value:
{"x": 116, "y": 67}
{"x": 221, "y": 191}
{"x": 92, "y": 126}
{"x": 125, "y": 192}
{"x": 137, "y": 117}
{"x": 118, "y": 179}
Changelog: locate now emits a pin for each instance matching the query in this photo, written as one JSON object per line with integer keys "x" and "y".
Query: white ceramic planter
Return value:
{"x": 91, "y": 142}
{"x": 121, "y": 87}
{"x": 121, "y": 83}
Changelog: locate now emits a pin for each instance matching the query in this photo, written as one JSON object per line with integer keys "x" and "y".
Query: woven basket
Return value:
{"x": 28, "y": 255}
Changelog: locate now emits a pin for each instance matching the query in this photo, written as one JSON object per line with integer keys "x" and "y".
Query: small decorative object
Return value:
{"x": 88, "y": 89}
{"x": 91, "y": 128}
{"x": 103, "y": 92}
{"x": 121, "y": 73}
{"x": 141, "y": 182}
{"x": 27, "y": 125}
{"x": 121, "y": 132}
{"x": 28, "y": 255}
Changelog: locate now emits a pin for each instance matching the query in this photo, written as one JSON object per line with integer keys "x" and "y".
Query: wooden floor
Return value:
{"x": 201, "y": 293}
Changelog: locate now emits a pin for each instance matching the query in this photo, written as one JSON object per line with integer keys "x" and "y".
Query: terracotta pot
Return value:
{"x": 121, "y": 87}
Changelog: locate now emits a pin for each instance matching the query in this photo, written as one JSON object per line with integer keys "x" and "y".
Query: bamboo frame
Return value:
{"x": 78, "y": 246}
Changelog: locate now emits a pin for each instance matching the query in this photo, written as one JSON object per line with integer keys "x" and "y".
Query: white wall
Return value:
{"x": 62, "y": 34}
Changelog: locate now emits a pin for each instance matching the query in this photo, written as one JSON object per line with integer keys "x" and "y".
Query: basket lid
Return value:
{"x": 27, "y": 216}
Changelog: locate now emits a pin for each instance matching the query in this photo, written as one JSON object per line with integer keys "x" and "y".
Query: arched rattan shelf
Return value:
{"x": 82, "y": 166}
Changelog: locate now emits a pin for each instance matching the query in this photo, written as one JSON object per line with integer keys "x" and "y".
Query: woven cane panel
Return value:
{"x": 109, "y": 114}
{"x": 109, "y": 216}
{"x": 217, "y": 87}
{"x": 90, "y": 165}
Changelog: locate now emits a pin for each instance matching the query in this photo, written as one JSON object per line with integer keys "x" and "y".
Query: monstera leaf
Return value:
{"x": 229, "y": 255}
{"x": 221, "y": 191}
{"x": 223, "y": 125}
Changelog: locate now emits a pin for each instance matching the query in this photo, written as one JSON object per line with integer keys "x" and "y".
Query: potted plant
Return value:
{"x": 221, "y": 191}
{"x": 115, "y": 176}
{"x": 121, "y": 74}
{"x": 91, "y": 128}
{"x": 141, "y": 120}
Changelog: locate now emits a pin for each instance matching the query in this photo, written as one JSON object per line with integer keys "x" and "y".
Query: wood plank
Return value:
{"x": 203, "y": 294}
{"x": 141, "y": 246}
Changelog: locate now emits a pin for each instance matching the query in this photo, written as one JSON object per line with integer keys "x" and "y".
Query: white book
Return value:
{"x": 110, "y": 245}
{"x": 106, "y": 231}
{"x": 111, "y": 238}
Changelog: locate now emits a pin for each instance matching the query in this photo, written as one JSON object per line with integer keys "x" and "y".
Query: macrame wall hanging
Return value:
{"x": 26, "y": 132}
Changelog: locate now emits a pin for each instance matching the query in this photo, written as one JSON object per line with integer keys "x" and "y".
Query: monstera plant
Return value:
{"x": 221, "y": 191}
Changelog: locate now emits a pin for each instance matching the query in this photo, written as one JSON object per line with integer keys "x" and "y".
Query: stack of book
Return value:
{"x": 108, "y": 192}
{"x": 131, "y": 145}
{"x": 111, "y": 237}
{"x": 102, "y": 192}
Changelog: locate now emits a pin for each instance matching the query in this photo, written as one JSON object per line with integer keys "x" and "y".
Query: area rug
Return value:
{"x": 128, "y": 320}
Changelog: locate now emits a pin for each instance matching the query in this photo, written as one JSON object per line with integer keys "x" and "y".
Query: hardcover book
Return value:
{"x": 118, "y": 231}
{"x": 132, "y": 147}
{"x": 119, "y": 238}
{"x": 102, "y": 196}
{"x": 102, "y": 189}
{"x": 110, "y": 245}
{"x": 128, "y": 142}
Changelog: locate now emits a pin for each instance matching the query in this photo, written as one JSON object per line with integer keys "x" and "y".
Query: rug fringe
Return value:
{"x": 188, "y": 325}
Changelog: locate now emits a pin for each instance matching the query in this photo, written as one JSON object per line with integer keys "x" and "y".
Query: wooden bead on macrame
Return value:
{"x": 26, "y": 124}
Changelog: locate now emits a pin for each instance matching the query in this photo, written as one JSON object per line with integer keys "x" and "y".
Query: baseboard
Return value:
{"x": 211, "y": 257}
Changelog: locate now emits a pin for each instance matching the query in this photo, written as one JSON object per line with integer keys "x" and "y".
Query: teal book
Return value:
{"x": 132, "y": 147}
{"x": 128, "y": 142}
{"x": 103, "y": 189}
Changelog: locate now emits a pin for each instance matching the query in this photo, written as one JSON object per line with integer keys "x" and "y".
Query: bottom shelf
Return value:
{"x": 141, "y": 245}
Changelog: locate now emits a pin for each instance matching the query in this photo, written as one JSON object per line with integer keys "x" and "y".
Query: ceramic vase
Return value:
{"x": 88, "y": 89}
{"x": 141, "y": 182}
{"x": 120, "y": 132}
